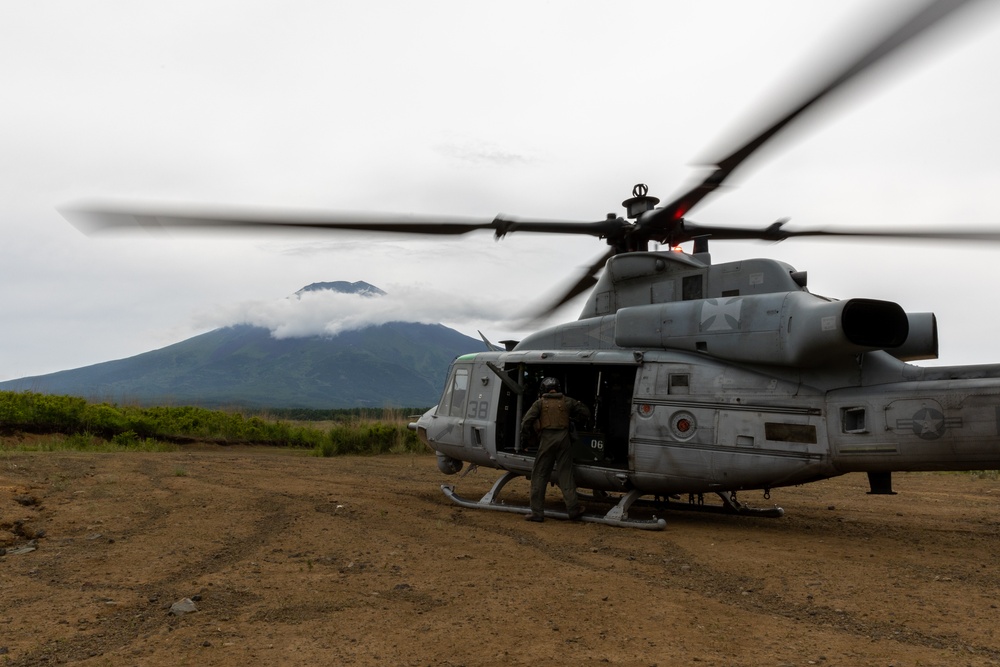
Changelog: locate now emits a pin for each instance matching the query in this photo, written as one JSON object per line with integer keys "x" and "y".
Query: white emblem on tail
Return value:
{"x": 721, "y": 314}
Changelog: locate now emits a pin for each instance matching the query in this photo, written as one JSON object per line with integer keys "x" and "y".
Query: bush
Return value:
{"x": 132, "y": 427}
{"x": 370, "y": 437}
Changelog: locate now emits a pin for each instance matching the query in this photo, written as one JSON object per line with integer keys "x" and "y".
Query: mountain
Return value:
{"x": 400, "y": 364}
{"x": 361, "y": 288}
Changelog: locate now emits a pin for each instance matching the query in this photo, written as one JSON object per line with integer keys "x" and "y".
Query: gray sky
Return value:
{"x": 543, "y": 109}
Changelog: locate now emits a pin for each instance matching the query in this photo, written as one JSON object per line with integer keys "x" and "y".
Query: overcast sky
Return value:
{"x": 542, "y": 109}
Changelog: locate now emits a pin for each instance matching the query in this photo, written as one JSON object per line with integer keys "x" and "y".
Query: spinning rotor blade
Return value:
{"x": 584, "y": 282}
{"x": 777, "y": 232}
{"x": 665, "y": 224}
{"x": 95, "y": 218}
{"x": 661, "y": 223}
{"x": 104, "y": 218}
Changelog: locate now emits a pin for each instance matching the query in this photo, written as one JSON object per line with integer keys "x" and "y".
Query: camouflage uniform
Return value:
{"x": 550, "y": 416}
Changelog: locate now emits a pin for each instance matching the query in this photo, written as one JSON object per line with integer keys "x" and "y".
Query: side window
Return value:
{"x": 691, "y": 287}
{"x": 453, "y": 401}
{"x": 459, "y": 392}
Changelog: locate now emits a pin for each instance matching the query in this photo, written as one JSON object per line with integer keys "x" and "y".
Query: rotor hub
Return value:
{"x": 640, "y": 202}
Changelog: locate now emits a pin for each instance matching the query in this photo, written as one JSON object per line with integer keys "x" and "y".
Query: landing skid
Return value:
{"x": 616, "y": 516}
{"x": 696, "y": 503}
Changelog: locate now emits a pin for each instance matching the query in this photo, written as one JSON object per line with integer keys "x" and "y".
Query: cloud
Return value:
{"x": 328, "y": 313}
{"x": 482, "y": 153}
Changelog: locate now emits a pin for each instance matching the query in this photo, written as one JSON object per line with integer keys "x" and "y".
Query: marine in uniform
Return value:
{"x": 550, "y": 417}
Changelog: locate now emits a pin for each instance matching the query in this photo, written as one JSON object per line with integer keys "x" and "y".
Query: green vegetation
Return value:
{"x": 370, "y": 437}
{"x": 342, "y": 414}
{"x": 83, "y": 442}
{"x": 74, "y": 423}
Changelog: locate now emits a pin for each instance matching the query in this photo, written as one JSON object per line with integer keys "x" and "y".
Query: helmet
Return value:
{"x": 550, "y": 384}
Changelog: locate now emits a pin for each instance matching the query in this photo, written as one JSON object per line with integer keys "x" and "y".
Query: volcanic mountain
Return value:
{"x": 400, "y": 364}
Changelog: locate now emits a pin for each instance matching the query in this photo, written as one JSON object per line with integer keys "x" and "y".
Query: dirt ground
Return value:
{"x": 296, "y": 560}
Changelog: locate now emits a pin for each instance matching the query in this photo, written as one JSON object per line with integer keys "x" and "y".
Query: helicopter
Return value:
{"x": 702, "y": 379}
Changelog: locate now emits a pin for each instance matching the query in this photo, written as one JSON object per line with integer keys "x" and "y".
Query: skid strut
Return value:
{"x": 616, "y": 516}
{"x": 734, "y": 506}
{"x": 695, "y": 503}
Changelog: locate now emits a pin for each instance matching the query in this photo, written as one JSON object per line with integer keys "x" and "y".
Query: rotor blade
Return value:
{"x": 584, "y": 282}
{"x": 961, "y": 236}
{"x": 599, "y": 228}
{"x": 104, "y": 218}
{"x": 110, "y": 218}
{"x": 665, "y": 217}
{"x": 777, "y": 232}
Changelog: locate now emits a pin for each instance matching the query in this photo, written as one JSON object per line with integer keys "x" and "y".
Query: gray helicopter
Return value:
{"x": 701, "y": 378}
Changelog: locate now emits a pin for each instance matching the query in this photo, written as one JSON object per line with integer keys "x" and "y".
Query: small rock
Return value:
{"x": 181, "y": 607}
{"x": 27, "y": 501}
{"x": 26, "y": 549}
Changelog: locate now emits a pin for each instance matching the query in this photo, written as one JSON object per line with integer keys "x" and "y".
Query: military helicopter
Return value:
{"x": 701, "y": 378}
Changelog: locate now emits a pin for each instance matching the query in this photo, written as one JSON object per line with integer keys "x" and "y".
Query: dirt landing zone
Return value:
{"x": 294, "y": 560}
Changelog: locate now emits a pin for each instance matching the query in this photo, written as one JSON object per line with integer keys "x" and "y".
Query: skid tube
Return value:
{"x": 616, "y": 516}
{"x": 696, "y": 503}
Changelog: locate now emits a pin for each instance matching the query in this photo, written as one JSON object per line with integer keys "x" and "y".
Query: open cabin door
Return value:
{"x": 606, "y": 390}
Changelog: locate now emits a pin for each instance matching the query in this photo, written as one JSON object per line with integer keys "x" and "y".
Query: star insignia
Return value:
{"x": 928, "y": 424}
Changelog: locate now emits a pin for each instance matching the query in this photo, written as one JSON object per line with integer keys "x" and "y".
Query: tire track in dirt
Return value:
{"x": 365, "y": 561}
{"x": 124, "y": 624}
{"x": 744, "y": 594}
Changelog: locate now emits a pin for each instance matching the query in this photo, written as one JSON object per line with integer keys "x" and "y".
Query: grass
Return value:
{"x": 370, "y": 436}
{"x": 82, "y": 442}
{"x": 43, "y": 422}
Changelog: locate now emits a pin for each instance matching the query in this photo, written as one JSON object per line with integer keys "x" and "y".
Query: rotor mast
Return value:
{"x": 635, "y": 206}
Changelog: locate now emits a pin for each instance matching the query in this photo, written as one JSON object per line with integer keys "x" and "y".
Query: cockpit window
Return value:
{"x": 453, "y": 401}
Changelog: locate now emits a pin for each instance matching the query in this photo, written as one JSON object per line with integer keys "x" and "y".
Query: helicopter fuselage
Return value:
{"x": 756, "y": 389}
{"x": 674, "y": 422}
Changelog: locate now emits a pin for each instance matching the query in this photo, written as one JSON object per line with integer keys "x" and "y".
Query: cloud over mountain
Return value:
{"x": 328, "y": 312}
